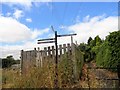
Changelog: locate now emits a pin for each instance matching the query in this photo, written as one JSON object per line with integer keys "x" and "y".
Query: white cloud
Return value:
{"x": 63, "y": 27}
{"x": 77, "y": 20}
{"x": 26, "y": 4}
{"x": 86, "y": 19}
{"x": 18, "y": 14}
{"x": 29, "y": 20}
{"x": 29, "y": 45}
{"x": 99, "y": 25}
{"x": 13, "y": 31}
{"x": 64, "y": 0}
{"x": 16, "y": 49}
{"x": 37, "y": 32}
{"x": 8, "y": 14}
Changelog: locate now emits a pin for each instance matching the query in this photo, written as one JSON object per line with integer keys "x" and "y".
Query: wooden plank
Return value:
{"x": 46, "y": 42}
{"x": 60, "y": 48}
{"x": 46, "y": 39}
{"x": 22, "y": 66}
{"x": 53, "y": 52}
{"x": 44, "y": 53}
{"x": 49, "y": 53}
{"x": 64, "y": 48}
{"x": 68, "y": 49}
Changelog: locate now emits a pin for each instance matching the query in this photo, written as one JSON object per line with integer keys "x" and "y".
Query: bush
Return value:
{"x": 109, "y": 52}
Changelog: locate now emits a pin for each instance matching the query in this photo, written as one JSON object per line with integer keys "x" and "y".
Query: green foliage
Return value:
{"x": 114, "y": 44}
{"x": 91, "y": 48}
{"x": 82, "y": 47}
{"x": 9, "y": 61}
{"x": 109, "y": 52}
{"x": 89, "y": 40}
{"x": 79, "y": 56}
{"x": 102, "y": 57}
{"x": 98, "y": 41}
{"x": 66, "y": 69}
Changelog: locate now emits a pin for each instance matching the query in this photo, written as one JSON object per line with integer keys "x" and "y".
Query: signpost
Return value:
{"x": 54, "y": 40}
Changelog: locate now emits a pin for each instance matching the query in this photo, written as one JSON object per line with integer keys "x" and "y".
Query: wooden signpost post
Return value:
{"x": 54, "y": 40}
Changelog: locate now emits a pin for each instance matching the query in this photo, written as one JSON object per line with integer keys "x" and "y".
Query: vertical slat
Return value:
{"x": 30, "y": 56}
{"x": 22, "y": 66}
{"x": 38, "y": 58}
{"x": 60, "y": 48}
{"x": 25, "y": 61}
{"x": 68, "y": 49}
{"x": 35, "y": 55}
{"x": 44, "y": 52}
{"x": 53, "y": 52}
{"x": 64, "y": 48}
{"x": 41, "y": 58}
{"x": 49, "y": 53}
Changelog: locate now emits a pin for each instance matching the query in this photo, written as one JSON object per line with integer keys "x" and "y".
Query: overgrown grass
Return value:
{"x": 40, "y": 77}
{"x": 43, "y": 77}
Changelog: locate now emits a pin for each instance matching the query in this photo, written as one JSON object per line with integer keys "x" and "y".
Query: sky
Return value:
{"x": 23, "y": 23}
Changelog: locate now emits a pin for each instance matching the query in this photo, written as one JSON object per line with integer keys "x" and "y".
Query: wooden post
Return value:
{"x": 49, "y": 53}
{"x": 69, "y": 49}
{"x": 53, "y": 52}
{"x": 45, "y": 52}
{"x": 64, "y": 48}
{"x": 56, "y": 62}
{"x": 60, "y": 49}
{"x": 41, "y": 58}
{"x": 28, "y": 55}
{"x": 22, "y": 62}
{"x": 38, "y": 58}
{"x": 35, "y": 55}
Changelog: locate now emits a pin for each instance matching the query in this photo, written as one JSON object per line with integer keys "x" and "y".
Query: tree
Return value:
{"x": 109, "y": 51}
{"x": 114, "y": 44}
{"x": 98, "y": 40}
{"x": 86, "y": 50}
{"x": 89, "y": 40}
{"x": 8, "y": 61}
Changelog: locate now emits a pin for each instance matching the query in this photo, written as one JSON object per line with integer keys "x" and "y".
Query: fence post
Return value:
{"x": 38, "y": 58}
{"x": 53, "y": 53}
{"x": 64, "y": 48}
{"x": 22, "y": 61}
{"x": 45, "y": 52}
{"x": 49, "y": 53}
{"x": 60, "y": 50}
{"x": 68, "y": 48}
{"x": 35, "y": 56}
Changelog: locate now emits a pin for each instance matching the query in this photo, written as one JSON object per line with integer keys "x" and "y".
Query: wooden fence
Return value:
{"x": 37, "y": 56}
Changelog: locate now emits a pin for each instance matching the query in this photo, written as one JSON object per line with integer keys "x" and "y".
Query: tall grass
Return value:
{"x": 43, "y": 77}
